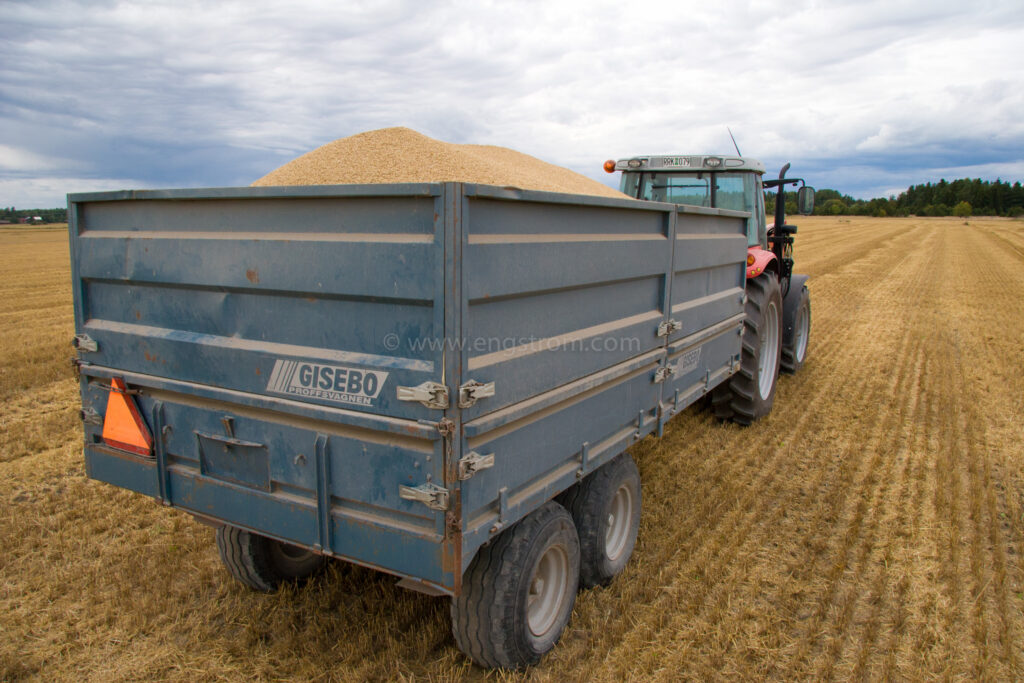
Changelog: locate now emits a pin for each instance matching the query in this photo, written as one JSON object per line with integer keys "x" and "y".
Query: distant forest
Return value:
{"x": 964, "y": 197}
{"x": 12, "y": 215}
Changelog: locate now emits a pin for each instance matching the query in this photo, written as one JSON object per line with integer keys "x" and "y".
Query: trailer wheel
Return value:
{"x": 262, "y": 563}
{"x": 518, "y": 592}
{"x": 796, "y": 331}
{"x": 606, "y": 509}
{"x": 749, "y": 394}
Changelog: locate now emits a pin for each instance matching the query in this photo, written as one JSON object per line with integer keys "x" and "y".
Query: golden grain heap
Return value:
{"x": 401, "y": 155}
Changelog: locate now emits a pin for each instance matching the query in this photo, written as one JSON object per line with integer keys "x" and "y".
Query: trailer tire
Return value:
{"x": 606, "y": 509}
{"x": 518, "y": 592}
{"x": 263, "y": 563}
{"x": 750, "y": 393}
{"x": 796, "y": 328}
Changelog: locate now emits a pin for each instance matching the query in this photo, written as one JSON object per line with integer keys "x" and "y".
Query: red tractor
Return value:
{"x": 778, "y": 305}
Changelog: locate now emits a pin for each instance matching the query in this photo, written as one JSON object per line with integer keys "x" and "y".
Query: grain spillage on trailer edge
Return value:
{"x": 401, "y": 155}
{"x": 871, "y": 527}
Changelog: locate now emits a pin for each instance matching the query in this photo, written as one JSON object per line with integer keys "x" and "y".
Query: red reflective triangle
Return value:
{"x": 123, "y": 426}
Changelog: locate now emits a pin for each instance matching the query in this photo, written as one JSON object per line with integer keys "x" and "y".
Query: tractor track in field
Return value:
{"x": 867, "y": 474}
{"x": 849, "y": 560}
{"x": 870, "y": 528}
{"x": 998, "y": 278}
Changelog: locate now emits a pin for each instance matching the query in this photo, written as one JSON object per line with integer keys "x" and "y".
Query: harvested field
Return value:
{"x": 871, "y": 527}
{"x": 401, "y": 155}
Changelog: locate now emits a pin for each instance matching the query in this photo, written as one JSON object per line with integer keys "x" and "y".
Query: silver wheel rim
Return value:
{"x": 620, "y": 521}
{"x": 803, "y": 325}
{"x": 549, "y": 587}
{"x": 769, "y": 351}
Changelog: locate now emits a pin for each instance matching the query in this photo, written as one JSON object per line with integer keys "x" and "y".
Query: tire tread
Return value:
{"x": 484, "y": 619}
{"x": 247, "y": 556}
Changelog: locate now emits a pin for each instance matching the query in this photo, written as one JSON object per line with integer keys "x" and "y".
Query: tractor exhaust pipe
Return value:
{"x": 780, "y": 200}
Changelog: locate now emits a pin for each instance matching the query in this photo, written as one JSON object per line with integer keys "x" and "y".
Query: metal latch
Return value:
{"x": 472, "y": 391}
{"x": 661, "y": 374}
{"x": 431, "y": 495}
{"x": 430, "y": 394}
{"x": 473, "y": 462}
{"x": 668, "y": 327}
{"x": 84, "y": 342}
{"x": 77, "y": 364}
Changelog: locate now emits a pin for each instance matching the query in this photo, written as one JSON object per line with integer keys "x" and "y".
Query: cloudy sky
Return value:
{"x": 865, "y": 97}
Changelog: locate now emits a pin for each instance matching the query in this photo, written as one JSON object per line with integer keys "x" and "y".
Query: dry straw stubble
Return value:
{"x": 871, "y": 527}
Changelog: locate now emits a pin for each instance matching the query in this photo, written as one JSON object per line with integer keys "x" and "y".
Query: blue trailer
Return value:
{"x": 438, "y": 381}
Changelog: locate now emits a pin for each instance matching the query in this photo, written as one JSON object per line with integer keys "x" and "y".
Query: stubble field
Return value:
{"x": 870, "y": 527}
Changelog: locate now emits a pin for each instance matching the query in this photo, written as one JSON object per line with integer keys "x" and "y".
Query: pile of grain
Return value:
{"x": 401, "y": 155}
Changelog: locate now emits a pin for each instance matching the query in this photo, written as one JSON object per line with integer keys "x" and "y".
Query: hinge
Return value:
{"x": 430, "y": 394}
{"x": 84, "y": 342}
{"x": 472, "y": 391}
{"x": 661, "y": 374}
{"x": 668, "y": 327}
{"x": 473, "y": 462}
{"x": 431, "y": 495}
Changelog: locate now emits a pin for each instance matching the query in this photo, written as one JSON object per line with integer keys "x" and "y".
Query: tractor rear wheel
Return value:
{"x": 750, "y": 393}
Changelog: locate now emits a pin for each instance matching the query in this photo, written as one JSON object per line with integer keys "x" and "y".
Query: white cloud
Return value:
{"x": 24, "y": 161}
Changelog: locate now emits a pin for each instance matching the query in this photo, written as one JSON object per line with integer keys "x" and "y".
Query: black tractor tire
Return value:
{"x": 749, "y": 394}
{"x": 606, "y": 509}
{"x": 262, "y": 563}
{"x": 519, "y": 590}
{"x": 796, "y": 326}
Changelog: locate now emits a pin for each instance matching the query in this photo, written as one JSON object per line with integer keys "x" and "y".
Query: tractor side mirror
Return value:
{"x": 805, "y": 200}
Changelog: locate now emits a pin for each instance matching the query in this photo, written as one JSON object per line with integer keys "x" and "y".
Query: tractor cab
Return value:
{"x": 712, "y": 181}
{"x": 724, "y": 182}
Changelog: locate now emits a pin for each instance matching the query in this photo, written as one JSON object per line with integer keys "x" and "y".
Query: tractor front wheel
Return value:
{"x": 750, "y": 393}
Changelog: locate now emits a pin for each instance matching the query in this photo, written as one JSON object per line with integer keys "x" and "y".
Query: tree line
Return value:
{"x": 9, "y": 213}
{"x": 963, "y": 197}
